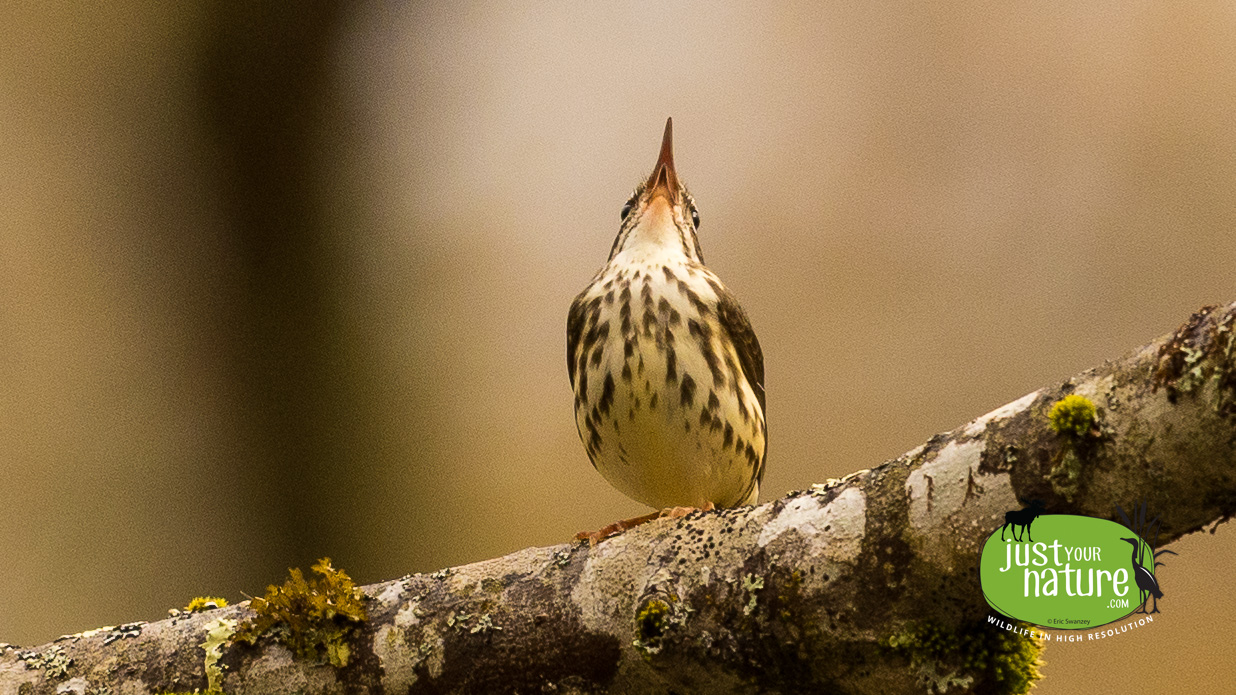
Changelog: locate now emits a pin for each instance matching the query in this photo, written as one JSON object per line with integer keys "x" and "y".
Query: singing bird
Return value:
{"x": 667, "y": 373}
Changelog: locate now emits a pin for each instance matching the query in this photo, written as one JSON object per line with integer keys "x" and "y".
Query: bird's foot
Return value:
{"x": 594, "y": 537}
{"x": 680, "y": 512}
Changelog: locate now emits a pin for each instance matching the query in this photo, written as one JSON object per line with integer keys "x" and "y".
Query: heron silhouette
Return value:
{"x": 1147, "y": 585}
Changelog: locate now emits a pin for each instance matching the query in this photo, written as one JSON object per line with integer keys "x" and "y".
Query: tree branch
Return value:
{"x": 865, "y": 584}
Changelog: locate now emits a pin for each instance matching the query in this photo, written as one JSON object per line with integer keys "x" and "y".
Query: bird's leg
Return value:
{"x": 594, "y": 537}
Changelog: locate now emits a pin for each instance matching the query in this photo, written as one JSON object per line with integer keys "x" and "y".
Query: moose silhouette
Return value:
{"x": 1022, "y": 518}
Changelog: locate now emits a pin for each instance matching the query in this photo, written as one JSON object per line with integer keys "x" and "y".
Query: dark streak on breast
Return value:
{"x": 607, "y": 394}
{"x": 687, "y": 391}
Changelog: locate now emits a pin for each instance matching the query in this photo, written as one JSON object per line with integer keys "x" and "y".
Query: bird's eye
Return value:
{"x": 695, "y": 218}
{"x": 626, "y": 209}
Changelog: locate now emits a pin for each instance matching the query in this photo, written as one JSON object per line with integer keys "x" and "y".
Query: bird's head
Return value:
{"x": 660, "y": 217}
{"x": 1134, "y": 541}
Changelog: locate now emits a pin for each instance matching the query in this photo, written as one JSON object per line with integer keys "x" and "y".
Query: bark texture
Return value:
{"x": 867, "y": 584}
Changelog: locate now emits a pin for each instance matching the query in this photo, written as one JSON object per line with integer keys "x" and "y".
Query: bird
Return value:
{"x": 1146, "y": 583}
{"x": 667, "y": 372}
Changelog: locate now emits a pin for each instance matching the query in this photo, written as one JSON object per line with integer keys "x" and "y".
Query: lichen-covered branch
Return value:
{"x": 862, "y": 585}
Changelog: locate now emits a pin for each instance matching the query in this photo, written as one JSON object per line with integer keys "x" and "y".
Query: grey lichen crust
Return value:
{"x": 860, "y": 585}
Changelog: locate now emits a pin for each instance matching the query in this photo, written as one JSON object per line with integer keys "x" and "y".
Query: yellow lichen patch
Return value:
{"x": 1065, "y": 476}
{"x": 1074, "y": 418}
{"x": 205, "y": 603}
{"x": 312, "y": 617}
{"x": 1072, "y": 415}
{"x": 1004, "y": 662}
{"x": 54, "y": 662}
{"x": 218, "y": 632}
{"x": 650, "y": 624}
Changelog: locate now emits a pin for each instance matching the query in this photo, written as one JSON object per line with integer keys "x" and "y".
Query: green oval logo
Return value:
{"x": 1071, "y": 573}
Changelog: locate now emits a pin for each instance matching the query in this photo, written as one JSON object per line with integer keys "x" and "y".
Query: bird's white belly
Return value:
{"x": 658, "y": 441}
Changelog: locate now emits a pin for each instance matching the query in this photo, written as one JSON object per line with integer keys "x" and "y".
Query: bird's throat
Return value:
{"x": 656, "y": 234}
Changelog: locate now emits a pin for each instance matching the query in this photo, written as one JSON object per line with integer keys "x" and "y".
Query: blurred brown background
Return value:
{"x": 280, "y": 284}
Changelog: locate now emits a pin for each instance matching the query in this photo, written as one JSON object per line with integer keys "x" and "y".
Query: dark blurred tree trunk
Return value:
{"x": 263, "y": 83}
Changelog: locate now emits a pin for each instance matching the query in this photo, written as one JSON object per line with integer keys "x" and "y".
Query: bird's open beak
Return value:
{"x": 664, "y": 178}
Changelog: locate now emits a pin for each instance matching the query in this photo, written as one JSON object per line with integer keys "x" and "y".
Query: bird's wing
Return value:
{"x": 575, "y": 331}
{"x": 750, "y": 357}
